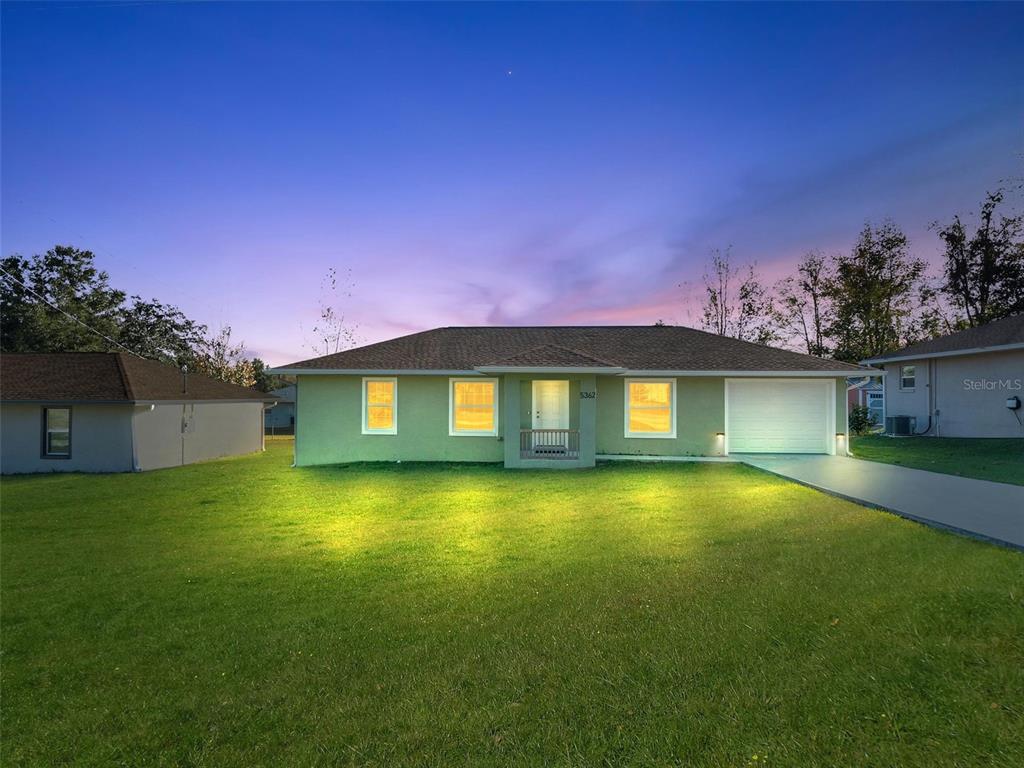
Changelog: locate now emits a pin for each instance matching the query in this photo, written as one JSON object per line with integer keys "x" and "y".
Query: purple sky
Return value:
{"x": 488, "y": 164}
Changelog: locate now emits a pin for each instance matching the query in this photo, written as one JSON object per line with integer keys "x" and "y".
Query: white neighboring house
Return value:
{"x": 115, "y": 412}
{"x": 280, "y": 418}
{"x": 966, "y": 384}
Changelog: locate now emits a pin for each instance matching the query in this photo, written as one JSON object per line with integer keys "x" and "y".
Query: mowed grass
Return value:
{"x": 997, "y": 459}
{"x": 243, "y": 613}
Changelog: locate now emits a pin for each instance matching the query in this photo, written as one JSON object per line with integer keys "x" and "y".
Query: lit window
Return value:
{"x": 380, "y": 406}
{"x": 473, "y": 407}
{"x": 650, "y": 408}
{"x": 57, "y": 433}
{"x": 908, "y": 376}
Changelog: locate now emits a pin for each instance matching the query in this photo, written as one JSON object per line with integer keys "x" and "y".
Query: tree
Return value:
{"x": 266, "y": 381}
{"x": 755, "y": 319}
{"x": 984, "y": 272}
{"x": 60, "y": 302}
{"x": 874, "y": 293}
{"x": 742, "y": 310}
{"x": 717, "y": 294}
{"x": 218, "y": 358}
{"x": 332, "y": 331}
{"x": 40, "y": 296}
{"x": 801, "y": 306}
{"x": 161, "y": 332}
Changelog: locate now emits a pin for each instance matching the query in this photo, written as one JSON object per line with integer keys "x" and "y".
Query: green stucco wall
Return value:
{"x": 700, "y": 413}
{"x": 329, "y": 424}
{"x": 329, "y": 421}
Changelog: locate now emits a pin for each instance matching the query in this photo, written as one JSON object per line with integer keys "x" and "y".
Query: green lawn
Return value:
{"x": 1001, "y": 460}
{"x": 244, "y": 613}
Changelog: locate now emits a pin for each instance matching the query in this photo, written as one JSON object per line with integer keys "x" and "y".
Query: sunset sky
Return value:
{"x": 488, "y": 164}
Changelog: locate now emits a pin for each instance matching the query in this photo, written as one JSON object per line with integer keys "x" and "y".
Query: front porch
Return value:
{"x": 550, "y": 420}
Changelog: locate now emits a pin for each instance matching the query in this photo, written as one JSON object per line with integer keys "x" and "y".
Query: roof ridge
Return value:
{"x": 372, "y": 344}
{"x": 637, "y": 347}
{"x": 125, "y": 380}
{"x": 558, "y": 347}
{"x": 537, "y": 347}
{"x": 583, "y": 354}
{"x": 767, "y": 346}
{"x": 528, "y": 327}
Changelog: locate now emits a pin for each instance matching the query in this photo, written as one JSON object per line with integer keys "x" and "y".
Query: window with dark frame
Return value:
{"x": 908, "y": 376}
{"x": 57, "y": 433}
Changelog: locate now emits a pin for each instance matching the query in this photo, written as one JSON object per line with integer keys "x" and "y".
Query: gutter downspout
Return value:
{"x": 295, "y": 427}
{"x": 932, "y": 365}
{"x": 135, "y": 450}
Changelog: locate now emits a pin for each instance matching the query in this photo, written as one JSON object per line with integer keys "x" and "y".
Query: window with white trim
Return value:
{"x": 57, "y": 433}
{"x": 380, "y": 406}
{"x": 908, "y": 376}
{"x": 472, "y": 407}
{"x": 650, "y": 408}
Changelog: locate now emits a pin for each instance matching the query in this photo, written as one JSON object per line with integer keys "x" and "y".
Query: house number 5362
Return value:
{"x": 588, "y": 395}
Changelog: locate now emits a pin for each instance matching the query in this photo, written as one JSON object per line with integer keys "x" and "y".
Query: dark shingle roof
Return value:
{"x": 105, "y": 377}
{"x": 650, "y": 347}
{"x": 551, "y": 355}
{"x": 1009, "y": 330}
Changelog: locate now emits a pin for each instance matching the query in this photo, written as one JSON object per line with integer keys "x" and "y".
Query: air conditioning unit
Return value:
{"x": 900, "y": 425}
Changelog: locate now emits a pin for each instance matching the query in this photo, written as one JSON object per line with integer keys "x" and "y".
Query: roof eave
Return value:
{"x": 607, "y": 371}
{"x": 206, "y": 400}
{"x": 950, "y": 353}
{"x": 139, "y": 401}
{"x": 796, "y": 373}
{"x": 612, "y": 371}
{"x": 289, "y": 371}
{"x": 62, "y": 401}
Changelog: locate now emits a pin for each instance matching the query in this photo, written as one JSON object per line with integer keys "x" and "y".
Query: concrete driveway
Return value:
{"x": 978, "y": 507}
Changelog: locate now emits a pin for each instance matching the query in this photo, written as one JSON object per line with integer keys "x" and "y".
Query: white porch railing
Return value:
{"x": 549, "y": 443}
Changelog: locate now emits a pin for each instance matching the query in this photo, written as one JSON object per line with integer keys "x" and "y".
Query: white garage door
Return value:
{"x": 779, "y": 415}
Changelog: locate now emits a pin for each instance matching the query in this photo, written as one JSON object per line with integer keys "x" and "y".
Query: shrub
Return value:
{"x": 861, "y": 420}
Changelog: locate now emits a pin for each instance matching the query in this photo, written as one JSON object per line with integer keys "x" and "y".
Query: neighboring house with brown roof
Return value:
{"x": 115, "y": 412}
{"x": 565, "y": 396}
{"x": 966, "y": 384}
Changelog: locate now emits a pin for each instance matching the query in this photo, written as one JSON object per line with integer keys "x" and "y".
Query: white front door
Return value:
{"x": 550, "y": 404}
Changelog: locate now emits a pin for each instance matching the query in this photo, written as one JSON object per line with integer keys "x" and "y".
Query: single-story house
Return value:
{"x": 868, "y": 392}
{"x": 280, "y": 419}
{"x": 564, "y": 397}
{"x": 966, "y": 384}
{"x": 114, "y": 412}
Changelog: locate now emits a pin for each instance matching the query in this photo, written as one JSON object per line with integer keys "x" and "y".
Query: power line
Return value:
{"x": 66, "y": 314}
